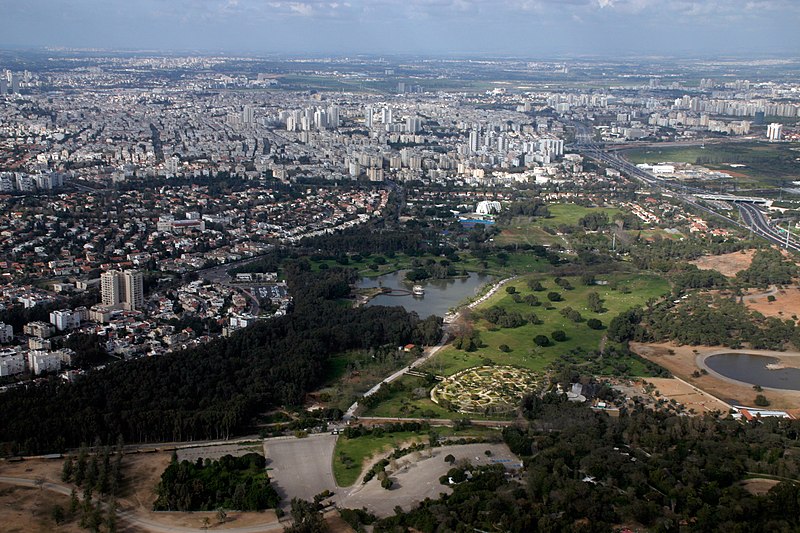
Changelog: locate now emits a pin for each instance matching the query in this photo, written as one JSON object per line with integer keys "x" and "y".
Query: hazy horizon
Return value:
{"x": 436, "y": 28}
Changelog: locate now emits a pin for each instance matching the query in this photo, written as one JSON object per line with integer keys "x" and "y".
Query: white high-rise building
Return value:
{"x": 369, "y": 115}
{"x": 247, "y": 115}
{"x": 133, "y": 282}
{"x": 774, "y": 131}
{"x": 125, "y": 289}
{"x": 109, "y": 288}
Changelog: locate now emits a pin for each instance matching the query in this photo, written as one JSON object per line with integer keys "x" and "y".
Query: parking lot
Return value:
{"x": 301, "y": 468}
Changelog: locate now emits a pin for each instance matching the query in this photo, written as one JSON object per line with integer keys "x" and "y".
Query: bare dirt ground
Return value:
{"x": 142, "y": 473}
{"x": 336, "y": 524}
{"x": 688, "y": 395}
{"x": 758, "y": 486}
{"x": 680, "y": 360}
{"x": 725, "y": 264}
{"x": 785, "y": 306}
{"x": 24, "y": 510}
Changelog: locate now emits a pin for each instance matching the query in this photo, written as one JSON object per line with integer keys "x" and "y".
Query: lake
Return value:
{"x": 440, "y": 294}
{"x": 753, "y": 369}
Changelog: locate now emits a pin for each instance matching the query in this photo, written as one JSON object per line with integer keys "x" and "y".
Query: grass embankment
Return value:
{"x": 622, "y": 292}
{"x": 362, "y": 450}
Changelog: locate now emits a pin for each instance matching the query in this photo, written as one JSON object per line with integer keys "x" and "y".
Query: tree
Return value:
{"x": 594, "y": 323}
{"x": 554, "y": 296}
{"x": 541, "y": 340}
{"x": 511, "y": 290}
{"x": 387, "y": 483}
{"x": 57, "y": 513}
{"x": 559, "y": 336}
{"x": 761, "y": 400}
{"x": 221, "y": 515}
{"x": 594, "y": 303}
{"x": 67, "y": 469}
{"x": 449, "y": 458}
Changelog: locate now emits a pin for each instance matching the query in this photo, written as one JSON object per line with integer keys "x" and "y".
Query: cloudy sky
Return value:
{"x": 529, "y": 28}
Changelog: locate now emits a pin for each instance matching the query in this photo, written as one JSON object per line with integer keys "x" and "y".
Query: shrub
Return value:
{"x": 541, "y": 340}
{"x": 504, "y": 348}
{"x": 594, "y": 323}
{"x": 554, "y": 296}
{"x": 559, "y": 336}
{"x": 761, "y": 400}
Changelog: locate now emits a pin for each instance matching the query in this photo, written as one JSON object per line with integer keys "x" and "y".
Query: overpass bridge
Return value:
{"x": 733, "y": 198}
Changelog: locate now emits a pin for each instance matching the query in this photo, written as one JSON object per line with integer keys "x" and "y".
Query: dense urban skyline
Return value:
{"x": 517, "y": 27}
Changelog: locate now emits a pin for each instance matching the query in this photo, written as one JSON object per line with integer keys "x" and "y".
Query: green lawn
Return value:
{"x": 529, "y": 230}
{"x": 631, "y": 291}
{"x": 362, "y": 448}
{"x": 765, "y": 163}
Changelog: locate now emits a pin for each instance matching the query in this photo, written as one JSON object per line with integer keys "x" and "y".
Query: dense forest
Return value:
{"x": 239, "y": 483}
{"x": 588, "y": 472}
{"x": 214, "y": 390}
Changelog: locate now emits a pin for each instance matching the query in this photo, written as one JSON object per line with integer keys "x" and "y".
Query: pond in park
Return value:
{"x": 440, "y": 295}
{"x": 755, "y": 370}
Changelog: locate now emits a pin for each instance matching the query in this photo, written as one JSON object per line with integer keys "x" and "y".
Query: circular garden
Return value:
{"x": 486, "y": 389}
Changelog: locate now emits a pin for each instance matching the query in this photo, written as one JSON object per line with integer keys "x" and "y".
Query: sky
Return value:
{"x": 519, "y": 28}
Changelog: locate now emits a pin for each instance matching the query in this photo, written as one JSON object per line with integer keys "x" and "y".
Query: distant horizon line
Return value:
{"x": 254, "y": 54}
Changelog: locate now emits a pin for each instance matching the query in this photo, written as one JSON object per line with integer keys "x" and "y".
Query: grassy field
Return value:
{"x": 528, "y": 230}
{"x": 630, "y": 291}
{"x": 765, "y": 164}
{"x": 363, "y": 449}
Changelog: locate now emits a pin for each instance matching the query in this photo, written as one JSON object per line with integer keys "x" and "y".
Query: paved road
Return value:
{"x": 301, "y": 468}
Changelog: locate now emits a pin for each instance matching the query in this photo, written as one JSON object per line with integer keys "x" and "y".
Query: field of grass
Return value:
{"x": 361, "y": 449}
{"x": 765, "y": 164}
{"x": 630, "y": 291}
{"x": 528, "y": 230}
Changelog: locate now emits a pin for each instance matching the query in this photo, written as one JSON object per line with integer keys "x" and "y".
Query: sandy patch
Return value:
{"x": 681, "y": 362}
{"x": 785, "y": 306}
{"x": 726, "y": 264}
{"x": 141, "y": 475}
{"x": 758, "y": 486}
{"x": 24, "y": 510}
{"x": 684, "y": 393}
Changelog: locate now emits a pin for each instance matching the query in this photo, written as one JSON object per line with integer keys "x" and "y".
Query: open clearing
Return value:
{"x": 694, "y": 399}
{"x": 681, "y": 361}
{"x": 26, "y": 510}
{"x": 785, "y": 306}
{"x": 758, "y": 486}
{"x": 726, "y": 264}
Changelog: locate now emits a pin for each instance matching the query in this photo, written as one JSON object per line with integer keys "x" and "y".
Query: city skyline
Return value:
{"x": 524, "y": 28}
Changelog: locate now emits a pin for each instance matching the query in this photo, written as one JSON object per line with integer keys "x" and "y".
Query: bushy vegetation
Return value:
{"x": 239, "y": 483}
{"x": 589, "y": 472}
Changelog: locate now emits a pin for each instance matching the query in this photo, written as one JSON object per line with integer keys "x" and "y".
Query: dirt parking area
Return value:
{"x": 726, "y": 264}
{"x": 417, "y": 477}
{"x": 681, "y": 362}
{"x": 694, "y": 399}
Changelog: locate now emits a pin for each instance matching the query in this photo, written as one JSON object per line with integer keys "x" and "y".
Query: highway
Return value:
{"x": 752, "y": 217}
